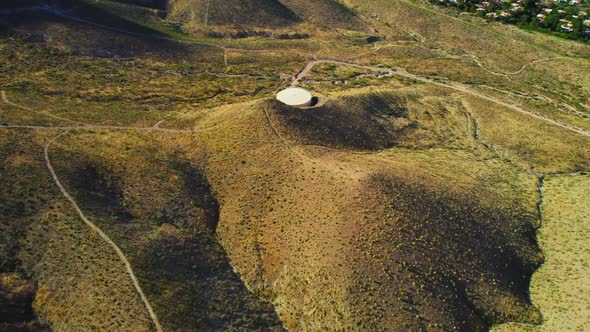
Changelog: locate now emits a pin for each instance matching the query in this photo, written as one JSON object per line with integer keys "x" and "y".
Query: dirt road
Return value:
{"x": 105, "y": 237}
{"x": 398, "y": 71}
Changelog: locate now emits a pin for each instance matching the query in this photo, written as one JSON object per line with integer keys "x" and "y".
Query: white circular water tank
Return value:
{"x": 295, "y": 97}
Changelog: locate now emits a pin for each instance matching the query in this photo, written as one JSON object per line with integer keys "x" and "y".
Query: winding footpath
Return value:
{"x": 516, "y": 72}
{"x": 297, "y": 79}
{"x": 394, "y": 71}
{"x": 398, "y": 71}
{"x": 5, "y": 99}
{"x": 306, "y": 70}
{"x": 105, "y": 237}
{"x": 465, "y": 89}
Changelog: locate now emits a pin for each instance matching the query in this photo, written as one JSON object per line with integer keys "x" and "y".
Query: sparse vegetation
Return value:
{"x": 558, "y": 286}
{"x": 407, "y": 199}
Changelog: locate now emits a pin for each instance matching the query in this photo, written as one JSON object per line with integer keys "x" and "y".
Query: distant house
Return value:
{"x": 586, "y": 22}
{"x": 505, "y": 14}
{"x": 540, "y": 17}
{"x": 576, "y": 2}
{"x": 566, "y": 29}
{"x": 492, "y": 15}
{"x": 548, "y": 10}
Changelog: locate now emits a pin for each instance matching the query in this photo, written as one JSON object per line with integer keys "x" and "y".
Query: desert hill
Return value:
{"x": 409, "y": 200}
{"x": 327, "y": 13}
{"x": 261, "y": 13}
{"x": 365, "y": 220}
{"x": 252, "y": 14}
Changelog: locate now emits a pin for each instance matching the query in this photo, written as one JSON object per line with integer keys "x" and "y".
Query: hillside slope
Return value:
{"x": 166, "y": 226}
{"x": 326, "y": 13}
{"x": 246, "y": 14}
{"x": 256, "y": 13}
{"x": 408, "y": 200}
{"x": 361, "y": 241}
{"x": 557, "y": 285}
{"x": 78, "y": 281}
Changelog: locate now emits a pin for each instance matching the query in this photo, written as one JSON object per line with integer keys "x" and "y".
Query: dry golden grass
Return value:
{"x": 232, "y": 13}
{"x": 560, "y": 287}
{"x": 293, "y": 218}
{"x": 10, "y": 114}
{"x": 452, "y": 45}
{"x": 532, "y": 143}
{"x": 276, "y": 224}
{"x": 81, "y": 282}
{"x": 165, "y": 225}
{"x": 339, "y": 215}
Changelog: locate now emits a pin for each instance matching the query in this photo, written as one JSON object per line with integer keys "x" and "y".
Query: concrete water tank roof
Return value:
{"x": 295, "y": 97}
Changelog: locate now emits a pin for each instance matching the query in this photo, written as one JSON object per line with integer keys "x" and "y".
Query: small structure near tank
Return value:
{"x": 297, "y": 97}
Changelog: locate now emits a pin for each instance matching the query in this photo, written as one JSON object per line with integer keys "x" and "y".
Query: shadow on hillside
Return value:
{"x": 168, "y": 234}
{"x": 96, "y": 32}
{"x": 360, "y": 122}
{"x": 197, "y": 286}
{"x": 156, "y": 4}
{"x": 454, "y": 255}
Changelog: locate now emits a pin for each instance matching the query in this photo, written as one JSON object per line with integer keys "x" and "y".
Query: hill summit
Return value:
{"x": 267, "y": 13}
